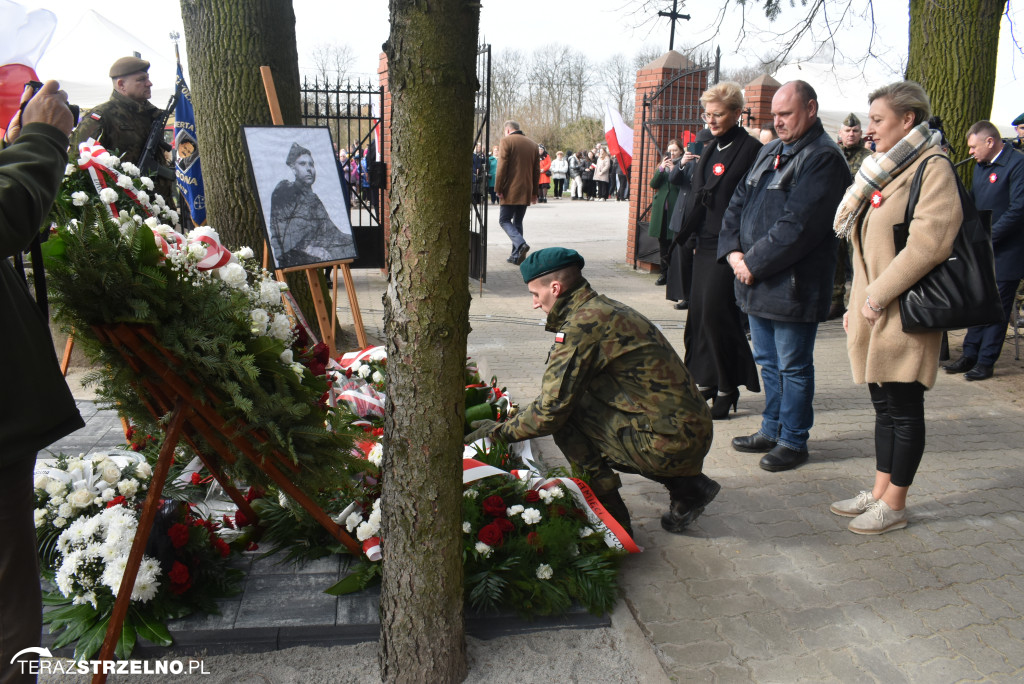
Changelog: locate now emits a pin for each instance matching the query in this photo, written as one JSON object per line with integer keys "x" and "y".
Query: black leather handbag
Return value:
{"x": 960, "y": 292}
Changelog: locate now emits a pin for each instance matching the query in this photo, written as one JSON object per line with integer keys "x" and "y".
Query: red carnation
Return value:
{"x": 197, "y": 478}
{"x": 504, "y": 524}
{"x": 533, "y": 539}
{"x": 321, "y": 353}
{"x": 532, "y": 496}
{"x": 179, "y": 573}
{"x": 241, "y": 519}
{"x": 117, "y": 501}
{"x": 253, "y": 546}
{"x": 494, "y": 506}
{"x": 316, "y": 367}
{"x": 178, "y": 534}
{"x": 490, "y": 535}
{"x": 228, "y": 522}
{"x": 254, "y": 493}
{"x": 220, "y": 545}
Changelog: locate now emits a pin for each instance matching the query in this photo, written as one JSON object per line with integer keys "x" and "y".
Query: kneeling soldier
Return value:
{"x": 615, "y": 395}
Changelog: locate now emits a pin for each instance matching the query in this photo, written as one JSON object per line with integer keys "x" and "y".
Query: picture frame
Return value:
{"x": 294, "y": 172}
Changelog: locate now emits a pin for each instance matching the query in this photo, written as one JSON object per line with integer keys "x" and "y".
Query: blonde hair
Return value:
{"x": 903, "y": 97}
{"x": 728, "y": 93}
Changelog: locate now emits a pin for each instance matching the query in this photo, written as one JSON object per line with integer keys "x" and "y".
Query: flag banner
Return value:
{"x": 186, "y": 152}
{"x": 24, "y": 37}
{"x": 619, "y": 137}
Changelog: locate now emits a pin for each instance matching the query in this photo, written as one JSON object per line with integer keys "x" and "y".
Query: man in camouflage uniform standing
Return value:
{"x": 122, "y": 123}
{"x": 615, "y": 395}
{"x": 851, "y": 142}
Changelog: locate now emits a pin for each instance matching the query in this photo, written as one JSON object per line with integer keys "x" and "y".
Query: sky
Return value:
{"x": 600, "y": 28}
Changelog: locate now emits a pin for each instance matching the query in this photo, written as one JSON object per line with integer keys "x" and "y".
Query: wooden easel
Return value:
{"x": 326, "y": 323}
{"x": 166, "y": 387}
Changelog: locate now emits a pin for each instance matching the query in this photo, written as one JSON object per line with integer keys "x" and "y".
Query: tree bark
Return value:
{"x": 227, "y": 42}
{"x": 431, "y": 73}
{"x": 953, "y": 48}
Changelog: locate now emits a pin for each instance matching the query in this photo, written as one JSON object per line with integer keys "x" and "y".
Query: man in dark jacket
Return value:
{"x": 777, "y": 236}
{"x": 517, "y": 185}
{"x": 998, "y": 186}
{"x": 36, "y": 407}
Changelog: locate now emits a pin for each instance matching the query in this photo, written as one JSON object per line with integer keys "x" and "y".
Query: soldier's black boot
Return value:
{"x": 616, "y": 507}
{"x": 689, "y": 497}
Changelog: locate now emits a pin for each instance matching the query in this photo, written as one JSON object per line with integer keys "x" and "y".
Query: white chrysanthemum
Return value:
{"x": 365, "y": 370}
{"x": 69, "y": 169}
{"x": 147, "y": 582}
{"x": 515, "y": 510}
{"x": 531, "y": 516}
{"x": 287, "y": 357}
{"x": 586, "y": 531}
{"x": 79, "y": 198}
{"x": 353, "y": 521}
{"x": 129, "y": 168}
{"x": 281, "y": 327}
{"x": 245, "y": 253}
{"x": 544, "y": 571}
{"x": 466, "y": 527}
{"x": 128, "y": 488}
{"x": 376, "y": 454}
{"x": 125, "y": 182}
{"x": 144, "y": 470}
{"x": 471, "y": 493}
{"x": 483, "y": 549}
{"x": 377, "y": 377}
{"x": 260, "y": 318}
{"x": 147, "y": 183}
{"x": 108, "y": 195}
{"x": 233, "y": 275}
{"x": 114, "y": 572}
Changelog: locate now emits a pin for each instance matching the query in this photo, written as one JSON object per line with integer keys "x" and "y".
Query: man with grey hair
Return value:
{"x": 517, "y": 185}
{"x": 777, "y": 236}
{"x": 997, "y": 186}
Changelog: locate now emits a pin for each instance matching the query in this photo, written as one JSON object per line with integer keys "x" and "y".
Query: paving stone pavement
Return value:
{"x": 769, "y": 586}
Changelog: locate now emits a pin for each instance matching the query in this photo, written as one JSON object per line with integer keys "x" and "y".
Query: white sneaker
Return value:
{"x": 878, "y": 518}
{"x": 851, "y": 508}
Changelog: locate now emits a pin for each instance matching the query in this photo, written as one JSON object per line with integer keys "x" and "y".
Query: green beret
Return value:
{"x": 1019, "y": 120}
{"x": 549, "y": 260}
{"x": 128, "y": 65}
{"x": 295, "y": 152}
{"x": 851, "y": 121}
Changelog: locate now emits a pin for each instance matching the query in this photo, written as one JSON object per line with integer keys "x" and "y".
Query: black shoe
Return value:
{"x": 662, "y": 279}
{"x": 521, "y": 254}
{"x": 961, "y": 365}
{"x": 512, "y": 259}
{"x": 687, "y": 507}
{"x": 836, "y": 311}
{"x": 682, "y": 305}
{"x": 782, "y": 458}
{"x": 720, "y": 407}
{"x": 979, "y": 372}
{"x": 754, "y": 444}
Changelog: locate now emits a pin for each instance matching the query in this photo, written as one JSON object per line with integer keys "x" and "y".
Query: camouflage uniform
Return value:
{"x": 855, "y": 156}
{"x": 615, "y": 395}
{"x": 122, "y": 126}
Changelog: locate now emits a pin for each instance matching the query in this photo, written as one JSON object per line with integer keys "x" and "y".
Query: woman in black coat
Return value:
{"x": 717, "y": 352}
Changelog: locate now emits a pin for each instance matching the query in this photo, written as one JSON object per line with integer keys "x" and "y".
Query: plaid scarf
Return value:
{"x": 878, "y": 171}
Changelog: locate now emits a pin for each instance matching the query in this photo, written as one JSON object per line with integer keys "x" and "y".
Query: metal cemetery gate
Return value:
{"x": 478, "y": 212}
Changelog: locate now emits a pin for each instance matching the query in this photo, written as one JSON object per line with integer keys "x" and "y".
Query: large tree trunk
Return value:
{"x": 953, "y": 48}
{"x": 227, "y": 43}
{"x": 431, "y": 72}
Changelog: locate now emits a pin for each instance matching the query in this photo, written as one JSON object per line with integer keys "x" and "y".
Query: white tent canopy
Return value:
{"x": 80, "y": 58}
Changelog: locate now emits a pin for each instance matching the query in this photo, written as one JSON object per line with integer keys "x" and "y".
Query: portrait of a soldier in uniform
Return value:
{"x": 303, "y": 229}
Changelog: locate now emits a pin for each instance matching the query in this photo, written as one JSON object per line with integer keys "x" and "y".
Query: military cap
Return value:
{"x": 851, "y": 121}
{"x": 549, "y": 260}
{"x": 1018, "y": 121}
{"x": 295, "y": 152}
{"x": 128, "y": 65}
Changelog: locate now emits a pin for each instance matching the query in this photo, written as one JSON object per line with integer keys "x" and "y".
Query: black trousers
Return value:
{"x": 21, "y": 603}
{"x": 899, "y": 429}
{"x": 559, "y": 184}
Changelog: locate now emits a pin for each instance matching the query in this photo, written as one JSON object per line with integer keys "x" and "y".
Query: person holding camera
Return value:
{"x": 37, "y": 407}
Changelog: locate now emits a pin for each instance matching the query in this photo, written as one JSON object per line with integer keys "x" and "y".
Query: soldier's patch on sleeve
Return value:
{"x": 94, "y": 116}
{"x": 560, "y": 338}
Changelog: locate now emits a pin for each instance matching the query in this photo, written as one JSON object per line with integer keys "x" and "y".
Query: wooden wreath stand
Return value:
{"x": 166, "y": 387}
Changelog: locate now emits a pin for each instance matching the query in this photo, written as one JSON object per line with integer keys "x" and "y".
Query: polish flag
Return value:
{"x": 619, "y": 137}
{"x": 24, "y": 37}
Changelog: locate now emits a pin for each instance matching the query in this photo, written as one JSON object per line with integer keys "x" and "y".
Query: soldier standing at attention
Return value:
{"x": 851, "y": 142}
{"x": 122, "y": 123}
{"x": 615, "y": 395}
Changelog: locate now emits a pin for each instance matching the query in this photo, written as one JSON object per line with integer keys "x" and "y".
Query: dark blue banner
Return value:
{"x": 186, "y": 152}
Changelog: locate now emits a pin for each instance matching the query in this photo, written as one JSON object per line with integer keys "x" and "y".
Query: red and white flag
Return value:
{"x": 24, "y": 37}
{"x": 619, "y": 137}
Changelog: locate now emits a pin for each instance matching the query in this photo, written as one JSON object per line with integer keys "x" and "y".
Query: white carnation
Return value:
{"x": 79, "y": 198}
{"x": 544, "y": 571}
{"x": 259, "y": 321}
{"x": 233, "y": 275}
{"x": 59, "y": 522}
{"x": 108, "y": 196}
{"x": 269, "y": 294}
{"x": 515, "y": 510}
{"x": 377, "y": 377}
{"x": 147, "y": 183}
{"x": 203, "y": 231}
{"x": 142, "y": 197}
{"x": 69, "y": 169}
{"x": 245, "y": 253}
{"x": 64, "y": 510}
{"x": 40, "y": 517}
{"x": 466, "y": 527}
{"x": 376, "y": 454}
{"x": 531, "y": 516}
{"x": 128, "y": 487}
{"x": 125, "y": 182}
{"x": 353, "y": 520}
{"x": 287, "y": 357}
{"x": 281, "y": 327}
{"x": 130, "y": 169}
{"x": 365, "y": 370}
{"x": 153, "y": 222}
{"x": 483, "y": 549}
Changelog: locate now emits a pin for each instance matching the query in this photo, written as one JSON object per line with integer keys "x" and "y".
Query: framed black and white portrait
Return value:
{"x": 300, "y": 195}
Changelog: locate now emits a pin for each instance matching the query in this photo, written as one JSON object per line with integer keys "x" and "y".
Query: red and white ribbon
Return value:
{"x": 216, "y": 254}
{"x": 89, "y": 154}
{"x": 371, "y": 547}
{"x": 348, "y": 359}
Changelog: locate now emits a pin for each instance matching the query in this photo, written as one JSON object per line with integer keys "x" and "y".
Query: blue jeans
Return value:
{"x": 785, "y": 352}
{"x": 510, "y": 218}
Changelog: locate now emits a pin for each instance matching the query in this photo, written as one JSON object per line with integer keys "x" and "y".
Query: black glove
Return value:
{"x": 482, "y": 428}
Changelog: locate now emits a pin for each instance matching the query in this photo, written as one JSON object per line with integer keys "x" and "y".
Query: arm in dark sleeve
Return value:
{"x": 31, "y": 170}
{"x": 1011, "y": 223}
{"x": 729, "y": 236}
{"x": 806, "y": 221}
{"x": 658, "y": 179}
{"x": 681, "y": 175}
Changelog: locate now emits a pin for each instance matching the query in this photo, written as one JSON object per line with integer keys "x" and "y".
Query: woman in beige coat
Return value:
{"x": 897, "y": 366}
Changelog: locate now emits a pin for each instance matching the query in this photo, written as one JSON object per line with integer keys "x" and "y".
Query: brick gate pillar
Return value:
{"x": 385, "y": 150}
{"x": 759, "y": 94}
